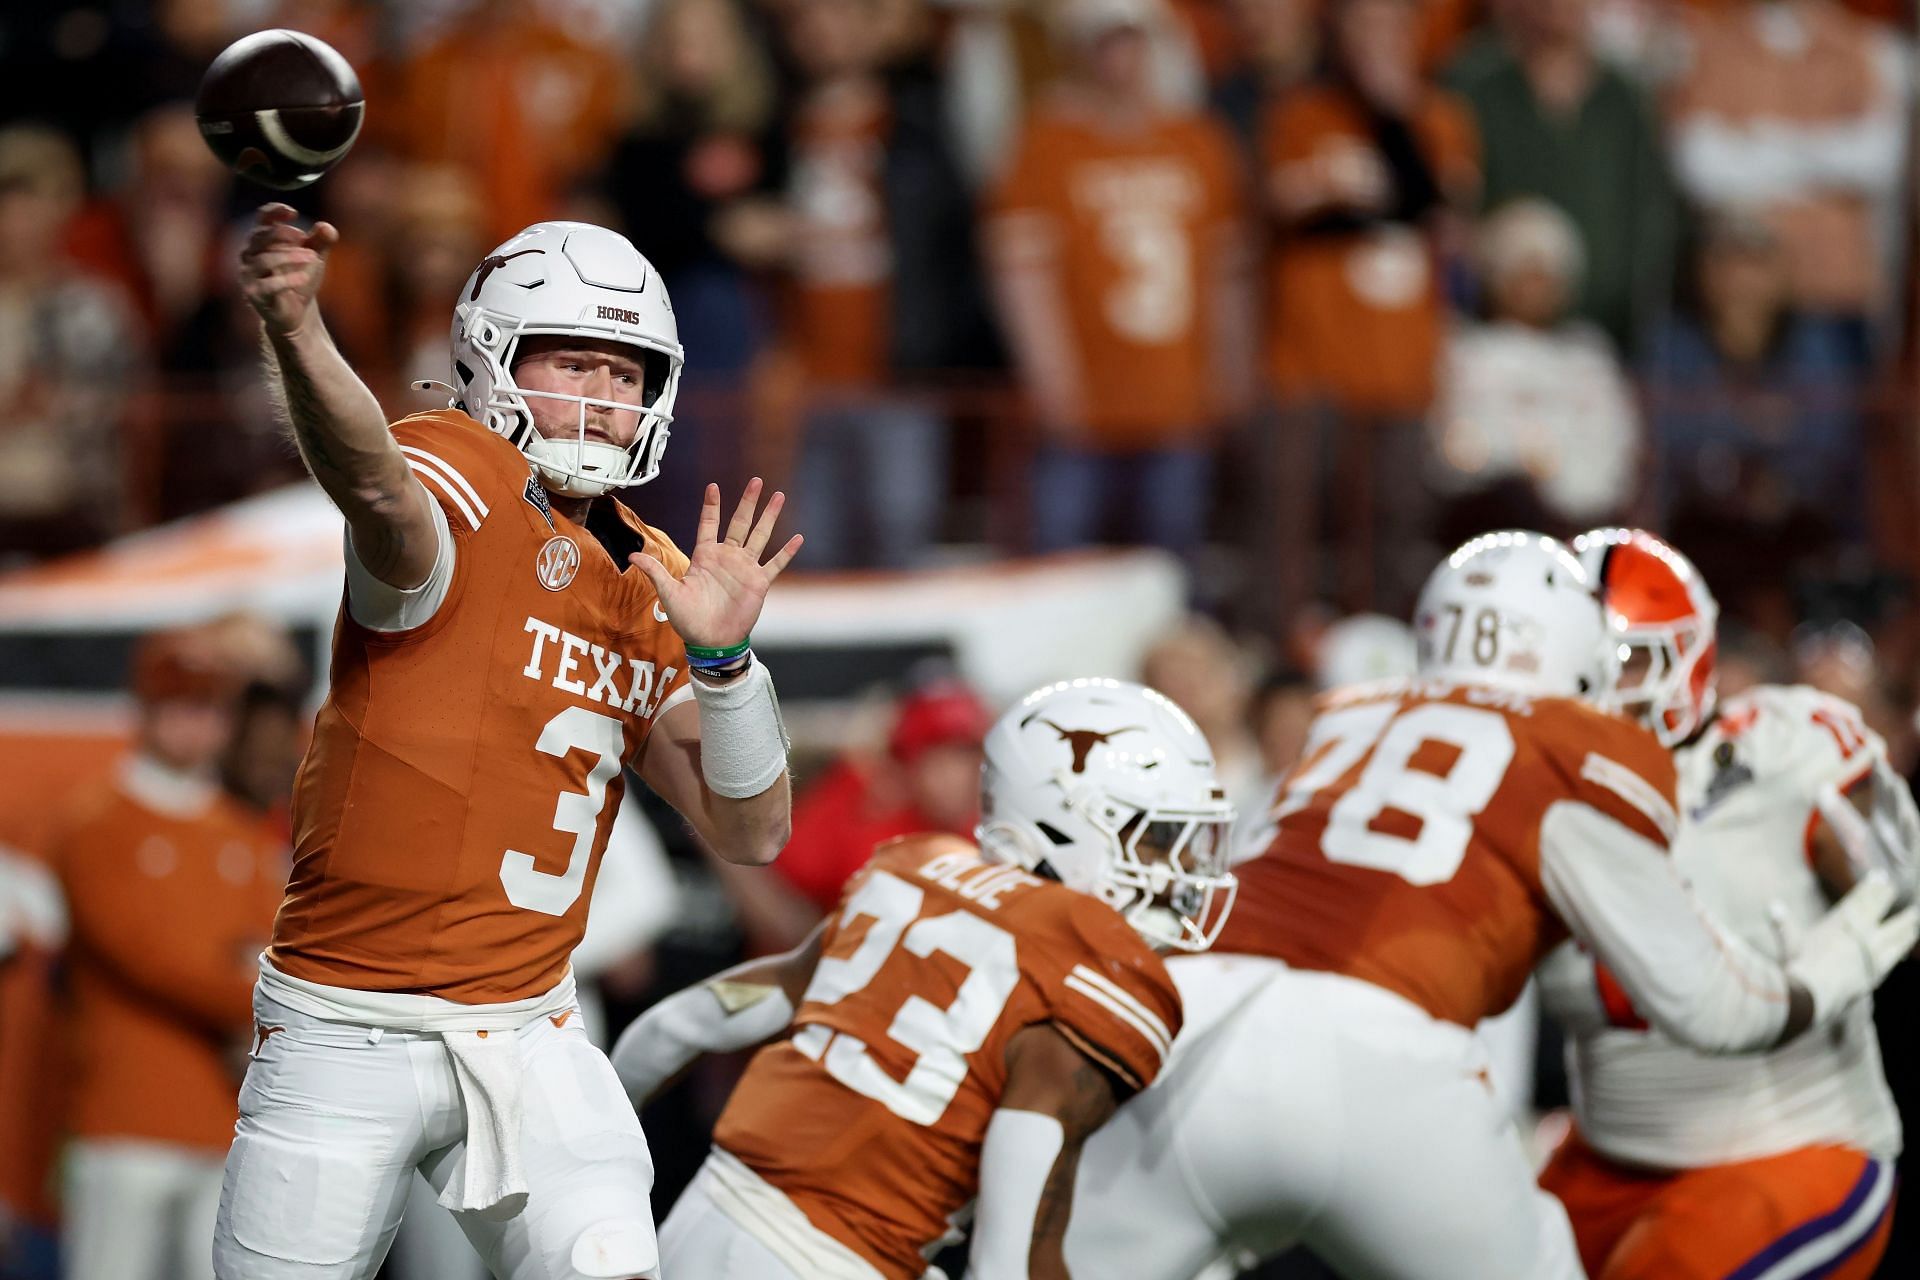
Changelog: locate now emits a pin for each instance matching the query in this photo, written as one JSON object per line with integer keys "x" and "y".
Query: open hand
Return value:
{"x": 281, "y": 267}
{"x": 716, "y": 604}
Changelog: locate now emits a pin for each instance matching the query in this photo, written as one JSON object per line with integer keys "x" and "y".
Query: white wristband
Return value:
{"x": 743, "y": 745}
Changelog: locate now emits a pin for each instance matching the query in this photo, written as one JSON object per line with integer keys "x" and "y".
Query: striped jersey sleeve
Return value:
{"x": 1107, "y": 991}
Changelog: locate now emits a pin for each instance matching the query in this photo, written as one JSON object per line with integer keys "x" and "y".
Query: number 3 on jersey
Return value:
{"x": 941, "y": 1037}
{"x": 1443, "y": 795}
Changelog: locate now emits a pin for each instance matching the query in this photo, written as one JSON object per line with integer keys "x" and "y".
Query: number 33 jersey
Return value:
{"x": 1405, "y": 847}
{"x": 464, "y": 771}
{"x": 870, "y": 1117}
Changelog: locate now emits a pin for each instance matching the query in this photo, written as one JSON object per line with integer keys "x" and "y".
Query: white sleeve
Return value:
{"x": 377, "y": 606}
{"x": 1016, "y": 1159}
{"x": 1621, "y": 895}
{"x": 720, "y": 1015}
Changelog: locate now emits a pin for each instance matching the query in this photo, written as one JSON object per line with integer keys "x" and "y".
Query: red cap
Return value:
{"x": 940, "y": 714}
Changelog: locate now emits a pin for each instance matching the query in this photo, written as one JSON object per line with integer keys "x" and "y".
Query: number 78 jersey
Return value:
{"x": 869, "y": 1119}
{"x": 1404, "y": 849}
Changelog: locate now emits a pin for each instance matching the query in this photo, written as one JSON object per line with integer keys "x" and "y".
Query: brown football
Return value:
{"x": 281, "y": 108}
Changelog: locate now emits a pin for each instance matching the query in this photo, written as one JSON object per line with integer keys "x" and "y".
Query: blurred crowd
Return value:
{"x": 1299, "y": 290}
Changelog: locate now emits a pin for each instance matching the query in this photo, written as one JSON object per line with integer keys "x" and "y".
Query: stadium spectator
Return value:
{"x": 1360, "y": 168}
{"x": 928, "y": 779}
{"x": 1117, "y": 248}
{"x": 874, "y": 242}
{"x": 1536, "y": 426}
{"x": 1755, "y": 420}
{"x": 1282, "y": 711}
{"x": 1557, "y": 122}
{"x": 69, "y": 356}
{"x": 1799, "y": 110}
{"x": 516, "y": 95}
{"x": 1210, "y": 677}
{"x": 695, "y": 180}
{"x": 171, "y": 889}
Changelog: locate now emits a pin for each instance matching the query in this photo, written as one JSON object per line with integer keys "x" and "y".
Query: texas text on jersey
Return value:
{"x": 870, "y": 1118}
{"x": 540, "y": 672}
{"x": 1405, "y": 848}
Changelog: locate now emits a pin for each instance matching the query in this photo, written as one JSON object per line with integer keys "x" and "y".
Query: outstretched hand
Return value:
{"x": 281, "y": 267}
{"x": 717, "y": 602}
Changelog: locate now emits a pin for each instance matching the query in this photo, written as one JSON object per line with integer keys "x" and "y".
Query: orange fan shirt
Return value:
{"x": 1130, "y": 225}
{"x": 452, "y": 808}
{"x": 842, "y": 264}
{"x": 1407, "y": 845}
{"x": 871, "y": 1116}
{"x": 168, "y": 907}
{"x": 1355, "y": 317}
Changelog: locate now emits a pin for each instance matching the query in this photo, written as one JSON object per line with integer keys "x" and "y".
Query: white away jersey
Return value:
{"x": 1748, "y": 791}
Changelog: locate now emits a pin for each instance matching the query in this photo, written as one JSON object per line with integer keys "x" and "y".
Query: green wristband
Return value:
{"x": 721, "y": 654}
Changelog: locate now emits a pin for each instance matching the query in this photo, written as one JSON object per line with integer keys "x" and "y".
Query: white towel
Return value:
{"x": 487, "y": 1067}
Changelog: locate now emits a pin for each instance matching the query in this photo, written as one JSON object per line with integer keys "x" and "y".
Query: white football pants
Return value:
{"x": 139, "y": 1211}
{"x": 698, "y": 1240}
{"x": 1316, "y": 1109}
{"x": 335, "y": 1118}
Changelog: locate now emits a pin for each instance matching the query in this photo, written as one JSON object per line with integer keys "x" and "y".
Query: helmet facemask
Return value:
{"x": 1666, "y": 679}
{"x": 573, "y": 464}
{"x": 1164, "y": 869}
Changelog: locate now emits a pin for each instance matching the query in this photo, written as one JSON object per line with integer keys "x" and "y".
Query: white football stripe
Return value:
{"x": 450, "y": 470}
{"x": 1634, "y": 789}
{"x": 1127, "y": 998}
{"x": 1122, "y": 1013}
{"x": 446, "y": 488}
{"x": 282, "y": 141}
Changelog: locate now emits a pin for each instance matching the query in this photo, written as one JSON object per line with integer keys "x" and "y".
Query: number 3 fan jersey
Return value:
{"x": 1405, "y": 849}
{"x": 452, "y": 808}
{"x": 870, "y": 1118}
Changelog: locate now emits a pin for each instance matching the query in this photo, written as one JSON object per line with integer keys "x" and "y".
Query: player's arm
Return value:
{"x": 1620, "y": 894}
{"x": 337, "y": 424}
{"x": 746, "y": 1005}
{"x": 721, "y": 759}
{"x": 1867, "y": 825}
{"x": 1055, "y": 1097}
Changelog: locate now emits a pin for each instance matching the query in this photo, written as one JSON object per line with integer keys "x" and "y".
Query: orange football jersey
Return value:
{"x": 870, "y": 1117}
{"x": 452, "y": 808}
{"x": 1133, "y": 224}
{"x": 1406, "y": 845}
{"x": 167, "y": 914}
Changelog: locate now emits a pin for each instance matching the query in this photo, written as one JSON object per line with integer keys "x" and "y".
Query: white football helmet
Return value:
{"x": 570, "y": 279}
{"x": 1515, "y": 610}
{"x": 1109, "y": 788}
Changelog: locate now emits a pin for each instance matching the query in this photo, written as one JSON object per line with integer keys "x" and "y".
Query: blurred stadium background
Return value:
{"x": 1169, "y": 339}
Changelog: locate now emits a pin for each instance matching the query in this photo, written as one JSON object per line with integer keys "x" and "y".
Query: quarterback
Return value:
{"x": 1778, "y": 1165}
{"x": 968, "y": 1016}
{"x": 1438, "y": 838}
{"x": 511, "y": 638}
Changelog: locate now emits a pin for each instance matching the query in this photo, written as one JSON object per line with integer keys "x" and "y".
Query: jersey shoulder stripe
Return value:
{"x": 1636, "y": 791}
{"x": 445, "y": 477}
{"x": 1117, "y": 1001}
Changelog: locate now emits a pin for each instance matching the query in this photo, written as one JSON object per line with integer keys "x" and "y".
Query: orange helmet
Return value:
{"x": 1665, "y": 617}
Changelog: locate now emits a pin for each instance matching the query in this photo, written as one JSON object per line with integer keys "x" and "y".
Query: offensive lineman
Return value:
{"x": 968, "y": 1016}
{"x": 1689, "y": 1167}
{"x": 495, "y": 665}
{"x": 1438, "y": 838}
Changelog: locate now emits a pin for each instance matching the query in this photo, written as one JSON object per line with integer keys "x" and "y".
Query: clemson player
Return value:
{"x": 968, "y": 1016}
{"x": 1438, "y": 838}
{"x": 1683, "y": 1165}
{"x": 496, "y": 664}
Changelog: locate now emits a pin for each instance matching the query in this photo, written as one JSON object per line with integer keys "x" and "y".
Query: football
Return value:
{"x": 280, "y": 108}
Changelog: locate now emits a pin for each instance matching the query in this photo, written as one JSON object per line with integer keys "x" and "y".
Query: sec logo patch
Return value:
{"x": 557, "y": 563}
